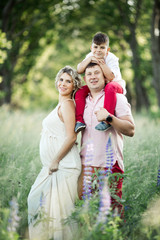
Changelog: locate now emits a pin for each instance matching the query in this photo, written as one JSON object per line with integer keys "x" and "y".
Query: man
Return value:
{"x": 122, "y": 123}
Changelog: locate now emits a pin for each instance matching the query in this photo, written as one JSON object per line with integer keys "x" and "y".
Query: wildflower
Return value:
{"x": 105, "y": 203}
{"x": 109, "y": 155}
{"x": 109, "y": 163}
{"x": 105, "y": 199}
{"x": 14, "y": 219}
{"x": 88, "y": 172}
{"x": 158, "y": 177}
{"x": 41, "y": 212}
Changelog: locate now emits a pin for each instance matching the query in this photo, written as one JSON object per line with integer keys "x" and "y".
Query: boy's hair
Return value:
{"x": 100, "y": 38}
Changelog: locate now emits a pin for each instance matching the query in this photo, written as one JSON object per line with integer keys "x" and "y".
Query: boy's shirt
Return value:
{"x": 113, "y": 63}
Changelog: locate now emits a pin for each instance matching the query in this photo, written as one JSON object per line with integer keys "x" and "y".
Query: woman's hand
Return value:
{"x": 53, "y": 167}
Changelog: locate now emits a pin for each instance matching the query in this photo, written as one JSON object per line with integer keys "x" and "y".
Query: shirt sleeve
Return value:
{"x": 88, "y": 55}
{"x": 113, "y": 63}
{"x": 123, "y": 108}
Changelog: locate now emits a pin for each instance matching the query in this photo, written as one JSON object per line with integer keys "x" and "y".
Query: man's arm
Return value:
{"x": 124, "y": 125}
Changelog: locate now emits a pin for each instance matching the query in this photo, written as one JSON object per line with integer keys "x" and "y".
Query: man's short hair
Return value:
{"x": 90, "y": 65}
{"x": 100, "y": 38}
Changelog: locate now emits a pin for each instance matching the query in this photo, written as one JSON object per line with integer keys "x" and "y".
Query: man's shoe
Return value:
{"x": 79, "y": 127}
{"x": 103, "y": 126}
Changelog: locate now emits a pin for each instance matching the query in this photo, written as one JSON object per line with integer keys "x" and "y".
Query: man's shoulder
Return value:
{"x": 121, "y": 98}
{"x": 123, "y": 108}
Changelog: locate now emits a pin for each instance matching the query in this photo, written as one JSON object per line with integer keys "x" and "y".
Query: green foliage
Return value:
{"x": 150, "y": 222}
{"x": 88, "y": 228}
{"x": 4, "y": 45}
{"x": 46, "y": 35}
{"x": 20, "y": 164}
{"x": 9, "y": 221}
{"x": 155, "y": 114}
{"x": 4, "y": 233}
{"x": 39, "y": 90}
{"x": 141, "y": 159}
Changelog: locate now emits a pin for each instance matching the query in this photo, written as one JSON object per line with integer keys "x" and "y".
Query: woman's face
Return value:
{"x": 65, "y": 85}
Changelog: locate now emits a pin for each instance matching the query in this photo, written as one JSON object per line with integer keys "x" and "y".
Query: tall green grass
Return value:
{"x": 20, "y": 164}
{"x": 19, "y": 157}
{"x": 141, "y": 160}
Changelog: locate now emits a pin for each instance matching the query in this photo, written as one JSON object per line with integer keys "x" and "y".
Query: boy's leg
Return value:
{"x": 110, "y": 96}
{"x": 110, "y": 102}
{"x": 80, "y": 99}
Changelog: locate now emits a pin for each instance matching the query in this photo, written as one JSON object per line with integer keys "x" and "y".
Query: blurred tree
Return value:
{"x": 33, "y": 26}
{"x": 24, "y": 23}
{"x": 124, "y": 21}
{"x": 155, "y": 49}
{"x": 130, "y": 12}
{"x": 123, "y": 18}
{"x": 4, "y": 45}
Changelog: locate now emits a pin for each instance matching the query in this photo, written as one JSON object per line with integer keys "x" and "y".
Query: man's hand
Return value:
{"x": 53, "y": 167}
{"x": 101, "y": 114}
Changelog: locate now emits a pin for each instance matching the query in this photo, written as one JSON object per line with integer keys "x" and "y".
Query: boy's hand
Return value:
{"x": 97, "y": 60}
{"x": 94, "y": 60}
{"x": 101, "y": 61}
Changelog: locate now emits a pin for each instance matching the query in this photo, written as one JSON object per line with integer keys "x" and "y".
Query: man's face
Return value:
{"x": 99, "y": 51}
{"x": 94, "y": 78}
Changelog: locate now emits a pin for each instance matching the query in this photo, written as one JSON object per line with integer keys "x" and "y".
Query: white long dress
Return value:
{"x": 52, "y": 197}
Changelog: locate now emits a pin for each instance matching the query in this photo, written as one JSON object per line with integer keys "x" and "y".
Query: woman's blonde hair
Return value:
{"x": 74, "y": 75}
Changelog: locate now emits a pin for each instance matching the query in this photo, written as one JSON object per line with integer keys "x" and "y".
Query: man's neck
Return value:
{"x": 94, "y": 94}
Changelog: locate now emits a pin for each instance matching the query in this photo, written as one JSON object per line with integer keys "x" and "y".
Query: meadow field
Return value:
{"x": 20, "y": 164}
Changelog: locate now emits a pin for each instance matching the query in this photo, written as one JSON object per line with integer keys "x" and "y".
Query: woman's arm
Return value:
{"x": 67, "y": 111}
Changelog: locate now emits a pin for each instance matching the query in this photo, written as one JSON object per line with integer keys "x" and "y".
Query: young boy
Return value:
{"x": 114, "y": 82}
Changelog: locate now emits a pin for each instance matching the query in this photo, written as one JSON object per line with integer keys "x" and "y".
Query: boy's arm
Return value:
{"x": 109, "y": 75}
{"x": 106, "y": 71}
{"x": 82, "y": 65}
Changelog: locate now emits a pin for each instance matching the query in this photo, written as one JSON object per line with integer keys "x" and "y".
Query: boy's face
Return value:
{"x": 99, "y": 51}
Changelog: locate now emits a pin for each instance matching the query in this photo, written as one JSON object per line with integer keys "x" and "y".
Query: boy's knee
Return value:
{"x": 82, "y": 92}
{"x": 113, "y": 87}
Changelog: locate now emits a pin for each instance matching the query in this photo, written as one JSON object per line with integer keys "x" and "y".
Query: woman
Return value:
{"x": 52, "y": 196}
